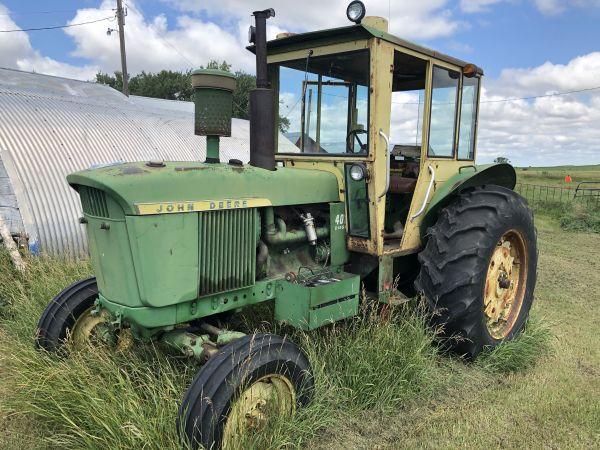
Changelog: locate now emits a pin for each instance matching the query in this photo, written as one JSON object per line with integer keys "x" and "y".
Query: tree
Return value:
{"x": 115, "y": 82}
{"x": 172, "y": 85}
{"x": 164, "y": 84}
{"x": 502, "y": 160}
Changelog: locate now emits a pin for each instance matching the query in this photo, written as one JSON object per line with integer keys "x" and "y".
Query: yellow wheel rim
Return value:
{"x": 269, "y": 397}
{"x": 87, "y": 330}
{"x": 505, "y": 284}
{"x": 83, "y": 329}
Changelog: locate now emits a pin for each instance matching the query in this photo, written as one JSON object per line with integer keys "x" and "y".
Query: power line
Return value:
{"x": 56, "y": 11}
{"x": 541, "y": 96}
{"x": 514, "y": 99}
{"x": 164, "y": 39}
{"x": 175, "y": 48}
{"x": 58, "y": 26}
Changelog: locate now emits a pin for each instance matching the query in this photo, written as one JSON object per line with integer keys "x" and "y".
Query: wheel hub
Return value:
{"x": 93, "y": 328}
{"x": 269, "y": 397}
{"x": 505, "y": 284}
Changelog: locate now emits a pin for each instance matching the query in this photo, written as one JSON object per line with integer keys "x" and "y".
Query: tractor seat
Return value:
{"x": 408, "y": 151}
{"x": 401, "y": 185}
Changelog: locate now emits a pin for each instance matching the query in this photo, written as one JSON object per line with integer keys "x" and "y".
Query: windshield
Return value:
{"x": 324, "y": 104}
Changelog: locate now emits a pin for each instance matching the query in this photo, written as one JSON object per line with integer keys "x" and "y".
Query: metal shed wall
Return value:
{"x": 51, "y": 126}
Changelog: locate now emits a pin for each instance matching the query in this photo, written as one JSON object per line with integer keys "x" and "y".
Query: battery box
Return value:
{"x": 318, "y": 300}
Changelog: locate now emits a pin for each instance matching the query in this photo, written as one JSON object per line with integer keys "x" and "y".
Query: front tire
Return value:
{"x": 478, "y": 269}
{"x": 68, "y": 316}
{"x": 242, "y": 387}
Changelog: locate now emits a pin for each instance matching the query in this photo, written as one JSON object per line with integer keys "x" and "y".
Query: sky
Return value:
{"x": 527, "y": 48}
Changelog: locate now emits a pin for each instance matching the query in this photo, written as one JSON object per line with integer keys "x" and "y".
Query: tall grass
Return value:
{"x": 104, "y": 399}
{"x": 93, "y": 399}
{"x": 520, "y": 354}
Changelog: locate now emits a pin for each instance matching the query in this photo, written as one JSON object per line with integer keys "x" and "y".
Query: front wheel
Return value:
{"x": 68, "y": 318}
{"x": 478, "y": 269}
{"x": 239, "y": 390}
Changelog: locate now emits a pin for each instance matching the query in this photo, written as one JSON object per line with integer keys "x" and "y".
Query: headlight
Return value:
{"x": 356, "y": 11}
{"x": 358, "y": 172}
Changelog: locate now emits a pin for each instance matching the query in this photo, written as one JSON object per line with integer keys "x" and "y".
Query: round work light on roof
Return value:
{"x": 356, "y": 11}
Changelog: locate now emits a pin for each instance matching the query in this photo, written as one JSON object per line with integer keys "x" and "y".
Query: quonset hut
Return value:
{"x": 52, "y": 126}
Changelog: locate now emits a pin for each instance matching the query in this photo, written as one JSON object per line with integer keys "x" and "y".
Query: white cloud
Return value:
{"x": 550, "y": 6}
{"x": 413, "y": 19}
{"x": 547, "y": 130}
{"x": 546, "y": 7}
{"x": 477, "y": 6}
{"x": 16, "y": 52}
{"x": 579, "y": 73}
{"x": 152, "y": 44}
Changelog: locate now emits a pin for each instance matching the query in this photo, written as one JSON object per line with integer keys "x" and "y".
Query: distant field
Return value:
{"x": 555, "y": 176}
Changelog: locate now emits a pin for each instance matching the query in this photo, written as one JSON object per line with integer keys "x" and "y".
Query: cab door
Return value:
{"x": 449, "y": 137}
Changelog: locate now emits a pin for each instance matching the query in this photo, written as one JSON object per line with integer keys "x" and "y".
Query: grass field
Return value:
{"x": 381, "y": 384}
{"x": 555, "y": 176}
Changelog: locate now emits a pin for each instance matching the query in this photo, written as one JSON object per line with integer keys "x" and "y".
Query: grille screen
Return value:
{"x": 93, "y": 201}
{"x": 227, "y": 250}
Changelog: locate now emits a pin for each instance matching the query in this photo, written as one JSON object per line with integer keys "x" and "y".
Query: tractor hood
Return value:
{"x": 146, "y": 188}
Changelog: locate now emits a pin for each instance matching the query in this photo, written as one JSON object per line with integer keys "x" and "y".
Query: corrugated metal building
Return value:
{"x": 51, "y": 126}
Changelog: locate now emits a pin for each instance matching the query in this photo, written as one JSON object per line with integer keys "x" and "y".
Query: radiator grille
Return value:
{"x": 227, "y": 250}
{"x": 93, "y": 201}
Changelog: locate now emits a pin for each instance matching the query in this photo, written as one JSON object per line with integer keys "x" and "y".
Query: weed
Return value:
{"x": 520, "y": 353}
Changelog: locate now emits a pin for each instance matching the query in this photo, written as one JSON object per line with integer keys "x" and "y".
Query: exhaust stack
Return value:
{"x": 262, "y": 99}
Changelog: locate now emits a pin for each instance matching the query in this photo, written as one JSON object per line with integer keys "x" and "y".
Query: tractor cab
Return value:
{"x": 391, "y": 119}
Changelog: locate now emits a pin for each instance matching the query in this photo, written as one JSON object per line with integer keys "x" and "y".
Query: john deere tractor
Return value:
{"x": 321, "y": 213}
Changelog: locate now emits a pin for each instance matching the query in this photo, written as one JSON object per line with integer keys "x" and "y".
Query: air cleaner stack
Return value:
{"x": 213, "y": 104}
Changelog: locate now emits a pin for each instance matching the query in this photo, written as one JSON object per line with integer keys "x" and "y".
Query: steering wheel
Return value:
{"x": 353, "y": 134}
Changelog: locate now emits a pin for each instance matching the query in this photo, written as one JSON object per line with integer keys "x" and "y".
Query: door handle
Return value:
{"x": 387, "y": 164}
{"x": 426, "y": 199}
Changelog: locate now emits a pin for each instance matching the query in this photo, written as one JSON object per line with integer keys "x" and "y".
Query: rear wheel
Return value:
{"x": 68, "y": 318}
{"x": 478, "y": 268}
{"x": 250, "y": 382}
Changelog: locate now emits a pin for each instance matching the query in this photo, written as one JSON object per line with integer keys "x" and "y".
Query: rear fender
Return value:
{"x": 467, "y": 177}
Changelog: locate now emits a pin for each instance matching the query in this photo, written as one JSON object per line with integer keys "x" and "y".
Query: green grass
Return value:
{"x": 554, "y": 403}
{"x": 555, "y": 176}
{"x": 520, "y": 354}
{"x": 107, "y": 399}
{"x": 379, "y": 383}
{"x": 566, "y": 214}
{"x": 570, "y": 216}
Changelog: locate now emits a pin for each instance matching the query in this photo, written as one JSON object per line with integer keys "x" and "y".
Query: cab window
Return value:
{"x": 468, "y": 118}
{"x": 442, "y": 124}
{"x": 325, "y": 102}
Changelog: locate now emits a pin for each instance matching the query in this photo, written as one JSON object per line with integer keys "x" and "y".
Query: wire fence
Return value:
{"x": 586, "y": 193}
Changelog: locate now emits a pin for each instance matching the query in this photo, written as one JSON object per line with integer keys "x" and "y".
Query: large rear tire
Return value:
{"x": 240, "y": 388}
{"x": 478, "y": 269}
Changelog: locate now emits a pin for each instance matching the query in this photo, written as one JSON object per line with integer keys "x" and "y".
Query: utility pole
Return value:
{"x": 121, "y": 22}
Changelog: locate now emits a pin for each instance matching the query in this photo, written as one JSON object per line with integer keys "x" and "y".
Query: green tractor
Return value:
{"x": 311, "y": 221}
